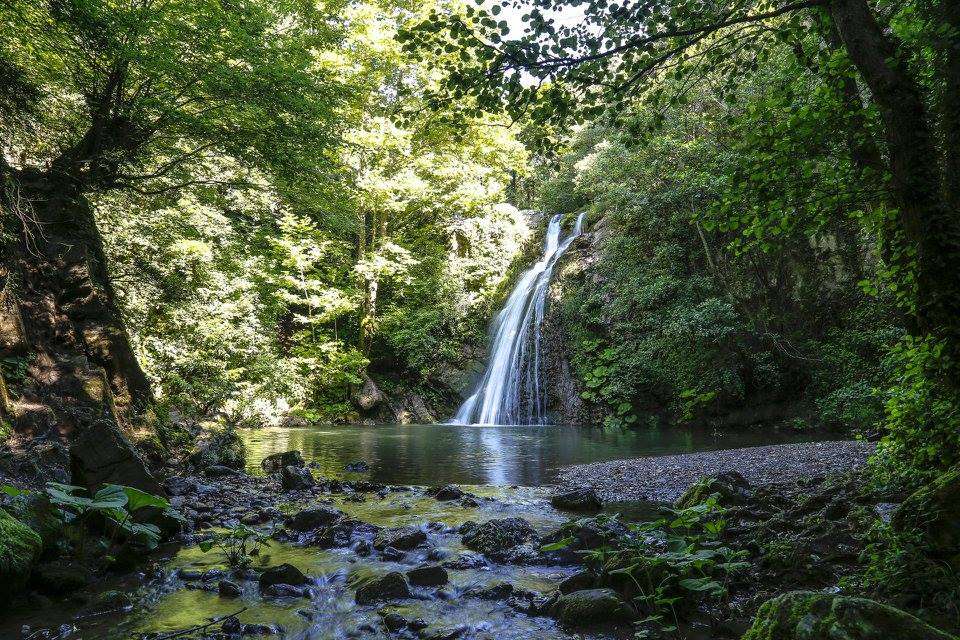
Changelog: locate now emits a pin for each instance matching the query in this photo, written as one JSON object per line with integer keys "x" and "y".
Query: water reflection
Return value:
{"x": 494, "y": 455}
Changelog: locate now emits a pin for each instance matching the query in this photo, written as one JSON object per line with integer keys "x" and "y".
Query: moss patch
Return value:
{"x": 19, "y": 547}
{"x": 933, "y": 511}
{"x": 804, "y": 615}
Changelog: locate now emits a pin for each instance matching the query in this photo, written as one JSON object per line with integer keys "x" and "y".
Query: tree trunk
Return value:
{"x": 947, "y": 45}
{"x": 84, "y": 381}
{"x": 927, "y": 231}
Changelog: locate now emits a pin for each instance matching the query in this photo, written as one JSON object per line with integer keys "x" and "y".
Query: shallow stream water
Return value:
{"x": 511, "y": 465}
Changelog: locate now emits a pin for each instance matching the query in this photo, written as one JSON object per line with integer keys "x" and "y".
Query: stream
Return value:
{"x": 507, "y": 468}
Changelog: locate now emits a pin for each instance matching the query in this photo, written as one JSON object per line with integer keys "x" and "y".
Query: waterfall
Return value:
{"x": 511, "y": 391}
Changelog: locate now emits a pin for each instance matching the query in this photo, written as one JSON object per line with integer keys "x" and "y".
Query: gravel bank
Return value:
{"x": 665, "y": 478}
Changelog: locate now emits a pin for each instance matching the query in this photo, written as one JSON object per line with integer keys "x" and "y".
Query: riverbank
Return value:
{"x": 665, "y": 478}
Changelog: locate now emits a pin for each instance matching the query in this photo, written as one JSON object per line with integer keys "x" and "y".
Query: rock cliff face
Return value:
{"x": 562, "y": 387}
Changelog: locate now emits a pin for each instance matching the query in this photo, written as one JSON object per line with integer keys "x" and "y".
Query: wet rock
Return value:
{"x": 282, "y": 574}
{"x": 363, "y": 548}
{"x": 295, "y": 478}
{"x": 108, "y": 601}
{"x": 446, "y": 493}
{"x": 392, "y": 554}
{"x": 355, "y": 497}
{"x": 582, "y": 499}
{"x": 229, "y": 589}
{"x": 443, "y": 633}
{"x": 403, "y": 538}
{"x": 731, "y": 487}
{"x": 19, "y": 548}
{"x": 61, "y": 577}
{"x": 466, "y": 560}
{"x": 933, "y": 511}
{"x": 220, "y": 471}
{"x": 836, "y": 510}
{"x": 394, "y": 621}
{"x": 277, "y": 461}
{"x": 496, "y": 538}
{"x": 428, "y": 576}
{"x": 338, "y": 535}
{"x": 315, "y": 517}
{"x": 35, "y": 511}
{"x": 803, "y": 614}
{"x": 190, "y": 575}
{"x": 391, "y": 586}
{"x": 578, "y": 582}
{"x": 286, "y": 591}
{"x": 587, "y": 533}
{"x": 358, "y": 466}
{"x": 591, "y": 606}
{"x": 495, "y": 591}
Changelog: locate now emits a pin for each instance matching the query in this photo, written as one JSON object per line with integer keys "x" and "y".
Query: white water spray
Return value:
{"x": 510, "y": 391}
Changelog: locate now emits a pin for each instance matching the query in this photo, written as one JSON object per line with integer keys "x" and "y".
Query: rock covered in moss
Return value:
{"x": 806, "y": 615}
{"x": 731, "y": 487}
{"x": 591, "y": 606}
{"x": 496, "y": 538}
{"x": 19, "y": 547}
{"x": 402, "y": 538}
{"x": 934, "y": 512}
{"x": 35, "y": 510}
{"x": 282, "y": 574}
{"x": 222, "y": 447}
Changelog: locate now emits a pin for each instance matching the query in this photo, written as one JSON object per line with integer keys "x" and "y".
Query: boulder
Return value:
{"x": 933, "y": 511}
{"x": 315, "y": 517}
{"x": 496, "y": 538}
{"x": 731, "y": 488}
{"x": 36, "y": 512}
{"x": 580, "y": 499}
{"x": 391, "y": 586}
{"x": 403, "y": 538}
{"x": 222, "y": 447}
{"x": 277, "y": 461}
{"x": 806, "y": 615}
{"x": 19, "y": 547}
{"x": 282, "y": 574}
{"x": 229, "y": 589}
{"x": 428, "y": 576}
{"x": 578, "y": 582}
{"x": 101, "y": 454}
{"x": 295, "y": 478}
{"x": 591, "y": 606}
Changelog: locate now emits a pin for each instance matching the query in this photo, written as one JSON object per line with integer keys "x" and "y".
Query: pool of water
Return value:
{"x": 492, "y": 455}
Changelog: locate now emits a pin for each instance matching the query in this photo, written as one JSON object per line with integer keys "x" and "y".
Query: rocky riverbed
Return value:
{"x": 332, "y": 558}
{"x": 665, "y": 478}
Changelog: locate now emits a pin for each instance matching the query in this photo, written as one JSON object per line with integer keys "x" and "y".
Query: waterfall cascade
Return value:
{"x": 511, "y": 389}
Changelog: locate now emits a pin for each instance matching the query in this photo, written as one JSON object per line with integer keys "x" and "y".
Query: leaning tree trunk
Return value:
{"x": 84, "y": 383}
{"x": 926, "y": 233}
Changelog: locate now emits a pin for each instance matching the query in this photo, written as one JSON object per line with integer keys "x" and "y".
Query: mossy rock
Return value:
{"x": 934, "y": 512}
{"x": 222, "y": 447}
{"x": 591, "y": 606}
{"x": 36, "y": 512}
{"x": 19, "y": 547}
{"x": 805, "y": 615}
{"x": 730, "y": 487}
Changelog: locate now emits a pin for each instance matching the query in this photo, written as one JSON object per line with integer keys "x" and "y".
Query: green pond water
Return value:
{"x": 505, "y": 463}
{"x": 486, "y": 455}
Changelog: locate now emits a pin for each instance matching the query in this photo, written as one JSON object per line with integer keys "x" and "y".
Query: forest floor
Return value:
{"x": 665, "y": 478}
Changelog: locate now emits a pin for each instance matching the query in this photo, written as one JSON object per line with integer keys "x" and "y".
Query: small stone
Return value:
{"x": 578, "y": 582}
{"x": 392, "y": 554}
{"x": 189, "y": 575}
{"x": 447, "y": 492}
{"x": 229, "y": 589}
{"x": 285, "y": 591}
{"x": 358, "y": 466}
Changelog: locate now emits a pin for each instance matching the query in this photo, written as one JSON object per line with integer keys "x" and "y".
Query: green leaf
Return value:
{"x": 13, "y": 492}
{"x": 137, "y": 499}
{"x": 110, "y": 496}
{"x": 206, "y": 545}
{"x": 560, "y": 544}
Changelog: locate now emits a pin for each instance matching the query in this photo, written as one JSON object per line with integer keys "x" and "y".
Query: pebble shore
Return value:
{"x": 665, "y": 478}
